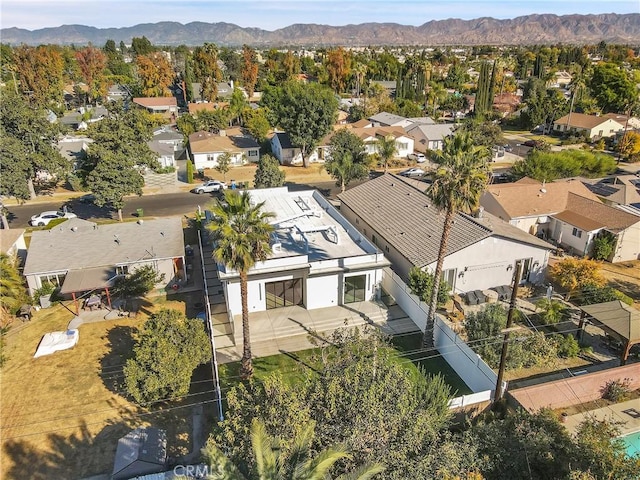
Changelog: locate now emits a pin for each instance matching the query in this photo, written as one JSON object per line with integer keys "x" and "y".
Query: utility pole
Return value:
{"x": 507, "y": 331}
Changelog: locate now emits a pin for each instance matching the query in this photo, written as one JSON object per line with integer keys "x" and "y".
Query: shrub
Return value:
{"x": 616, "y": 390}
{"x": 552, "y": 311}
{"x": 74, "y": 182}
{"x": 47, "y": 288}
{"x": 567, "y": 347}
{"x": 592, "y": 293}
{"x": 189, "y": 171}
{"x": 421, "y": 284}
{"x": 604, "y": 245}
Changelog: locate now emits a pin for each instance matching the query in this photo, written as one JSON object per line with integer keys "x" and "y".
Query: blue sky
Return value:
{"x": 271, "y": 15}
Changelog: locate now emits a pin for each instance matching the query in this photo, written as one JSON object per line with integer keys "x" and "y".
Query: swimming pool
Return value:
{"x": 632, "y": 442}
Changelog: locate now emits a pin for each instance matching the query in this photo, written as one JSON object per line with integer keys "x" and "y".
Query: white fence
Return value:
{"x": 467, "y": 364}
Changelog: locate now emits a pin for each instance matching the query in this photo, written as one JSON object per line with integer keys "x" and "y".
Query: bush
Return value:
{"x": 74, "y": 182}
{"x": 189, "y": 171}
{"x": 592, "y": 293}
{"x": 616, "y": 390}
{"x": 421, "y": 284}
{"x": 47, "y": 288}
{"x": 567, "y": 347}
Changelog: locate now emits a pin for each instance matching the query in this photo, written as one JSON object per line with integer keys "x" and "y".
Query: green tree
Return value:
{"x": 548, "y": 166}
{"x": 168, "y": 350}
{"x": 387, "y": 149}
{"x": 223, "y": 164}
{"x": 268, "y": 173}
{"x": 241, "y": 232}
{"x": 604, "y": 245}
{"x": 272, "y": 464}
{"x": 140, "y": 46}
{"x": 12, "y": 291}
{"x": 137, "y": 283}
{"x": 421, "y": 285}
{"x": 256, "y": 123}
{"x": 483, "y": 132}
{"x": 347, "y": 158}
{"x": 362, "y": 397}
{"x": 207, "y": 71}
{"x": 27, "y": 150}
{"x": 458, "y": 183}
{"x": 307, "y": 112}
{"x": 612, "y": 88}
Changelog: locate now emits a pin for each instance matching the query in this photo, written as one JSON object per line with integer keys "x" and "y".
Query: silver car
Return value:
{"x": 210, "y": 186}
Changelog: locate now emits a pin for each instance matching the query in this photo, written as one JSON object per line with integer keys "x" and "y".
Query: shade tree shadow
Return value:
{"x": 120, "y": 343}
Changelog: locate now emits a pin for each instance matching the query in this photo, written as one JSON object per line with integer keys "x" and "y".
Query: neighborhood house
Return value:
{"x": 207, "y": 147}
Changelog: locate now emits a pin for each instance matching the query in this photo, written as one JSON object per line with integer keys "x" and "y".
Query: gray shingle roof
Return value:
{"x": 77, "y": 244}
{"x": 407, "y": 220}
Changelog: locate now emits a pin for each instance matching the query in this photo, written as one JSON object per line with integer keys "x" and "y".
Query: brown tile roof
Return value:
{"x": 362, "y": 123}
{"x": 599, "y": 215}
{"x": 534, "y": 199}
{"x": 232, "y": 141}
{"x": 580, "y": 120}
{"x": 8, "y": 237}
{"x": 623, "y": 189}
{"x": 379, "y": 132}
{"x": 407, "y": 220}
{"x": 151, "y": 102}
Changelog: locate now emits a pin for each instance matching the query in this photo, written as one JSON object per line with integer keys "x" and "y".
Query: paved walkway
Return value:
{"x": 626, "y": 414}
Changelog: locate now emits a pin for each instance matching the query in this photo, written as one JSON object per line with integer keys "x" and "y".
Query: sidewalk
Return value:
{"x": 626, "y": 414}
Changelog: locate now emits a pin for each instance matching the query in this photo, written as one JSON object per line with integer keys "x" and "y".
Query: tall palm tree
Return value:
{"x": 577, "y": 84}
{"x": 460, "y": 179}
{"x": 241, "y": 234}
{"x": 387, "y": 149}
{"x": 435, "y": 94}
{"x": 271, "y": 465}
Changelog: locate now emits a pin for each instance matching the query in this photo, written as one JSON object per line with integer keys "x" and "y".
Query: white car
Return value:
{"x": 210, "y": 186}
{"x": 412, "y": 172}
{"x": 417, "y": 157}
{"x": 44, "y": 218}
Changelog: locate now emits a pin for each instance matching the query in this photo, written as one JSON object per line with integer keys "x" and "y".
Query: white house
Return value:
{"x": 370, "y": 136}
{"x": 429, "y": 137}
{"x": 287, "y": 154}
{"x": 576, "y": 228}
{"x": 318, "y": 259}
{"x": 166, "y": 106}
{"x": 395, "y": 214}
{"x": 529, "y": 204}
{"x": 593, "y": 126}
{"x": 167, "y": 144}
{"x": 206, "y": 147}
{"x": 80, "y": 256}
{"x": 12, "y": 242}
{"x": 385, "y": 119}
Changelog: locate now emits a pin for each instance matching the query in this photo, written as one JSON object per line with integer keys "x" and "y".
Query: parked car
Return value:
{"x": 412, "y": 172}
{"x": 44, "y": 218}
{"x": 210, "y": 186}
{"x": 508, "y": 148}
{"x": 417, "y": 157}
{"x": 533, "y": 143}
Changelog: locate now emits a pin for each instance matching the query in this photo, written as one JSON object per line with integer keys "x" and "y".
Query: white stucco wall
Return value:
{"x": 201, "y": 160}
{"x": 487, "y": 261}
{"x": 628, "y": 246}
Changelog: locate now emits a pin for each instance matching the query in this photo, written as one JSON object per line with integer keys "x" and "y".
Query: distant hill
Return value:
{"x": 529, "y": 29}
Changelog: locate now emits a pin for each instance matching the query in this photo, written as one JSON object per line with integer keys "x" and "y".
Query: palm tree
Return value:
{"x": 241, "y": 233}
{"x": 272, "y": 465}
{"x": 387, "y": 149}
{"x": 461, "y": 177}
{"x": 435, "y": 94}
{"x": 577, "y": 84}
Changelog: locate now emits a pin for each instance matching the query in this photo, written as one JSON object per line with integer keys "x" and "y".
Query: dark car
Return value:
{"x": 529, "y": 143}
{"x": 508, "y": 148}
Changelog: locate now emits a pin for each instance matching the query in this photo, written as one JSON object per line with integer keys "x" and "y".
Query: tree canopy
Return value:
{"x": 168, "y": 350}
{"x": 307, "y": 112}
{"x": 347, "y": 158}
{"x": 549, "y": 166}
{"x": 268, "y": 173}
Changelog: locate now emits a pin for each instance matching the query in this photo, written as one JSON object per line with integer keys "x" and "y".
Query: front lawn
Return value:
{"x": 62, "y": 414}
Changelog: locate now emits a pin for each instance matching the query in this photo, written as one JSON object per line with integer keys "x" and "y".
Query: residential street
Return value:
{"x": 153, "y": 205}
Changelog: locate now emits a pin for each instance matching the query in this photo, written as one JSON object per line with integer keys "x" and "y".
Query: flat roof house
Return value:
{"x": 318, "y": 259}
{"x": 399, "y": 218}
{"x": 79, "y": 256}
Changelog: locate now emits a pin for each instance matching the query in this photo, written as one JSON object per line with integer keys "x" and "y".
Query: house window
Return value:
{"x": 354, "y": 289}
{"x": 386, "y": 248}
{"x": 122, "y": 270}
{"x": 55, "y": 279}
{"x": 284, "y": 294}
{"x": 357, "y": 221}
{"x": 576, "y": 232}
{"x": 211, "y": 158}
{"x": 253, "y": 153}
{"x": 364, "y": 231}
{"x": 402, "y": 145}
{"x": 374, "y": 239}
{"x": 449, "y": 276}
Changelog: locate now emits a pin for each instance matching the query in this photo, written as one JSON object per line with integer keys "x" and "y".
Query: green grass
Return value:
{"x": 410, "y": 346}
{"x": 295, "y": 366}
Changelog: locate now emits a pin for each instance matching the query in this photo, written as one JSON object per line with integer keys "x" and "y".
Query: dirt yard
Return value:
{"x": 625, "y": 276}
{"x": 62, "y": 414}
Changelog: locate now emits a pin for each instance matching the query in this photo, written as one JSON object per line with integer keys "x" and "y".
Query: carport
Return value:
{"x": 88, "y": 279}
{"x": 618, "y": 320}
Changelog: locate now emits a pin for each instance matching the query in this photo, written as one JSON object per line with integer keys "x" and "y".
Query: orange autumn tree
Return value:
{"x": 92, "y": 62}
{"x": 574, "y": 273}
{"x": 155, "y": 74}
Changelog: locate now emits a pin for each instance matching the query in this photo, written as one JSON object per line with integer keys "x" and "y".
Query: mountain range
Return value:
{"x": 528, "y": 29}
